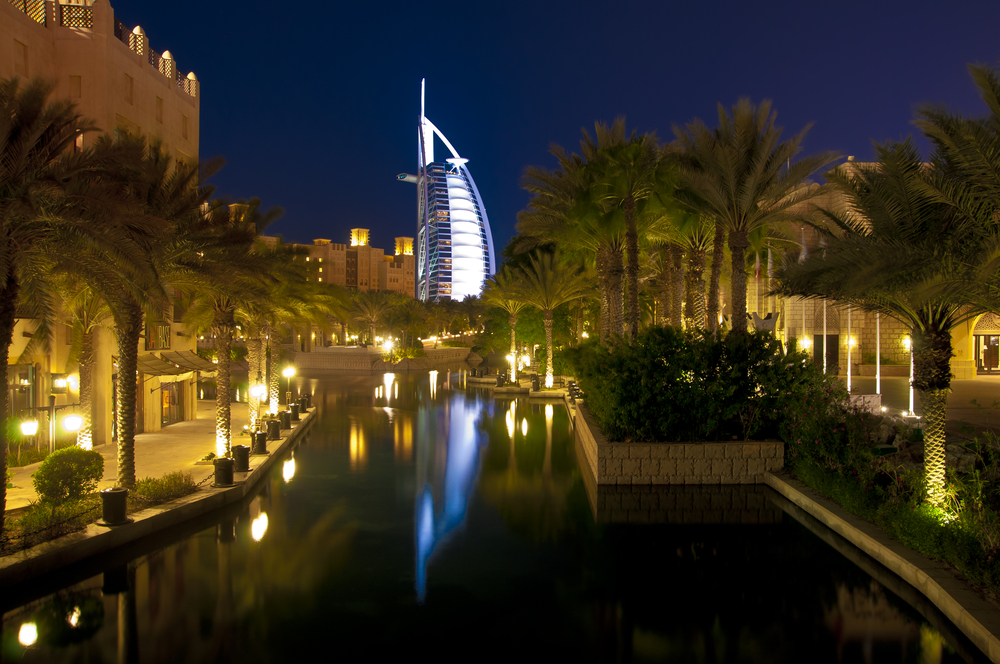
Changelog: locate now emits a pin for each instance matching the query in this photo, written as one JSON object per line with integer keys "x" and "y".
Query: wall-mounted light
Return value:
{"x": 907, "y": 343}
{"x": 59, "y": 383}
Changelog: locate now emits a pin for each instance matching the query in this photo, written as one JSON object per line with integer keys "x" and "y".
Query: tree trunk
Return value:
{"x": 129, "y": 330}
{"x": 513, "y": 347}
{"x": 222, "y": 330}
{"x": 85, "y": 436}
{"x": 549, "y": 373}
{"x": 602, "y": 266}
{"x": 631, "y": 269}
{"x": 665, "y": 292}
{"x": 677, "y": 285}
{"x": 609, "y": 273}
{"x": 738, "y": 244}
{"x": 273, "y": 375}
{"x": 8, "y": 304}
{"x": 932, "y": 353}
{"x": 715, "y": 276}
{"x": 696, "y": 294}
{"x": 255, "y": 377}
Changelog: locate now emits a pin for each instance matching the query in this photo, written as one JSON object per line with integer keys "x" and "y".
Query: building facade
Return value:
{"x": 118, "y": 82}
{"x": 455, "y": 252}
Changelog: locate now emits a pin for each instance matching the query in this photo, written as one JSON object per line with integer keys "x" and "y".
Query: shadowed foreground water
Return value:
{"x": 422, "y": 518}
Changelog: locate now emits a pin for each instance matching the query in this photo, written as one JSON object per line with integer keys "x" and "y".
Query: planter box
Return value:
{"x": 735, "y": 462}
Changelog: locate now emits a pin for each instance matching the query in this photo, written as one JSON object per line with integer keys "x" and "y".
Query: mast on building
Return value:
{"x": 454, "y": 242}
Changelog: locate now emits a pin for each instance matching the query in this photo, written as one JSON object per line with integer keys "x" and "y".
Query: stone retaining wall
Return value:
{"x": 736, "y": 462}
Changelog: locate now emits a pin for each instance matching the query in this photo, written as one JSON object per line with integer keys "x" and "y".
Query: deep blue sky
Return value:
{"x": 315, "y": 105}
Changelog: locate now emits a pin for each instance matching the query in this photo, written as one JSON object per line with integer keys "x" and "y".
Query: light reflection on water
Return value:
{"x": 419, "y": 512}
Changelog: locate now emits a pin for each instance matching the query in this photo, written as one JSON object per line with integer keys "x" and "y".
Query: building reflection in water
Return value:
{"x": 447, "y": 464}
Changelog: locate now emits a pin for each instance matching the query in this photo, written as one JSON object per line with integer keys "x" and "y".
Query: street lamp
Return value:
{"x": 257, "y": 392}
{"x": 288, "y": 372}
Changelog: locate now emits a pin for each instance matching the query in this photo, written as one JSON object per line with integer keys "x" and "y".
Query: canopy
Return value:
{"x": 151, "y": 365}
{"x": 189, "y": 360}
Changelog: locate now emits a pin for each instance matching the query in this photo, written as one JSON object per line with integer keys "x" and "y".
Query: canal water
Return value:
{"x": 426, "y": 519}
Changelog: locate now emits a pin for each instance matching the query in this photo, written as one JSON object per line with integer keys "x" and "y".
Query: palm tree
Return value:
{"x": 629, "y": 175}
{"x": 546, "y": 283}
{"x": 502, "y": 290}
{"x": 742, "y": 175}
{"x": 37, "y": 219}
{"x": 567, "y": 208}
{"x": 373, "y": 307}
{"x": 898, "y": 250}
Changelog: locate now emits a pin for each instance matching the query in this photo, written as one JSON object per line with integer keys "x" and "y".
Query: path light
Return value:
{"x": 387, "y": 345}
{"x": 28, "y": 634}
{"x": 258, "y": 527}
{"x": 72, "y": 423}
{"x": 29, "y": 427}
{"x": 288, "y": 372}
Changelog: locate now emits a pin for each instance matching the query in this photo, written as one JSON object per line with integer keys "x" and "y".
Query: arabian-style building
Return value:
{"x": 118, "y": 82}
{"x": 455, "y": 252}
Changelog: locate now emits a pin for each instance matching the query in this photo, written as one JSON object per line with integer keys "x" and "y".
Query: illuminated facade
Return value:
{"x": 454, "y": 242}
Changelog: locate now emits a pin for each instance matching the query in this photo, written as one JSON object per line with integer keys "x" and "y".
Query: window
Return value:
{"x": 20, "y": 59}
{"x": 184, "y": 127}
{"x": 129, "y": 88}
{"x": 159, "y": 110}
{"x": 321, "y": 269}
{"x": 125, "y": 126}
{"x": 75, "y": 87}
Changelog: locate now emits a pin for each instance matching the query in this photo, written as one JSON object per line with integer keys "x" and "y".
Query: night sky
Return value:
{"x": 314, "y": 105}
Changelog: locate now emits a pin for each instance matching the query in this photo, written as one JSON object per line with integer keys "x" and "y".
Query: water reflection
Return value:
{"x": 435, "y": 514}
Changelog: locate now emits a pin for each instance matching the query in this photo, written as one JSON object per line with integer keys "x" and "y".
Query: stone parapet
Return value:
{"x": 735, "y": 462}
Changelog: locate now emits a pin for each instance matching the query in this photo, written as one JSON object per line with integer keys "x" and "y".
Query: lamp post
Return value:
{"x": 288, "y": 372}
{"x": 908, "y": 344}
{"x": 257, "y": 392}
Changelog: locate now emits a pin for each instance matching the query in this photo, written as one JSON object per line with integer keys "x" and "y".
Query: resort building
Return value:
{"x": 455, "y": 252}
{"x": 119, "y": 83}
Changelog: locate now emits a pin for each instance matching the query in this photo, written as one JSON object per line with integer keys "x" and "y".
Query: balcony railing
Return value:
{"x": 34, "y": 9}
{"x": 76, "y": 16}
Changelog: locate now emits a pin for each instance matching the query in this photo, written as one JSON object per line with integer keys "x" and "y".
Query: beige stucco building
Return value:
{"x": 119, "y": 82}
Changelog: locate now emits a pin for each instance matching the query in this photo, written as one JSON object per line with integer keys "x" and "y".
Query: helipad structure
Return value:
{"x": 454, "y": 243}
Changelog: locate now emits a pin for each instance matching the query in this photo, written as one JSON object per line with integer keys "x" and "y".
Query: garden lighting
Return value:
{"x": 29, "y": 427}
{"x": 72, "y": 423}
{"x": 28, "y": 634}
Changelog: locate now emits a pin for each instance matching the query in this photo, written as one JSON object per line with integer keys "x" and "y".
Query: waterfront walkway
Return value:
{"x": 175, "y": 447}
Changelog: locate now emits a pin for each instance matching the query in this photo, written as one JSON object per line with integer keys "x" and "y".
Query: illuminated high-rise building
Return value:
{"x": 454, "y": 242}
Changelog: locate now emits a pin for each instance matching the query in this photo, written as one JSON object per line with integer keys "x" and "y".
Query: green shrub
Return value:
{"x": 41, "y": 523}
{"x": 152, "y": 491}
{"x": 68, "y": 475}
{"x": 671, "y": 385}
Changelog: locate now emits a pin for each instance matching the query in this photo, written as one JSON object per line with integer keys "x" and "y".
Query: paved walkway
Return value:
{"x": 172, "y": 448}
{"x": 984, "y": 389}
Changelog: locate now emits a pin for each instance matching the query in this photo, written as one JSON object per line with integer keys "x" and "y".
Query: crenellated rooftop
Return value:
{"x": 80, "y": 16}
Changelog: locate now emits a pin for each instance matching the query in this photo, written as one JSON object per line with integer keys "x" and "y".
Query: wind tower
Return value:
{"x": 454, "y": 243}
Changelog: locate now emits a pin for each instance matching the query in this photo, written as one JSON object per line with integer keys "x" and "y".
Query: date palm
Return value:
{"x": 37, "y": 215}
{"x": 546, "y": 283}
{"x": 741, "y": 174}
{"x": 898, "y": 250}
{"x": 503, "y": 290}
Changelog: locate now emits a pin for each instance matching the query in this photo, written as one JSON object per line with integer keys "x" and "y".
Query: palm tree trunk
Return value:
{"x": 696, "y": 303}
{"x": 665, "y": 292}
{"x": 222, "y": 330}
{"x": 714, "y": 277}
{"x": 513, "y": 346}
{"x": 631, "y": 269}
{"x": 603, "y": 265}
{"x": 254, "y": 378}
{"x": 8, "y": 303}
{"x": 738, "y": 243}
{"x": 129, "y": 331}
{"x": 549, "y": 373}
{"x": 85, "y": 436}
{"x": 273, "y": 376}
{"x": 579, "y": 322}
{"x": 932, "y": 353}
{"x": 677, "y": 284}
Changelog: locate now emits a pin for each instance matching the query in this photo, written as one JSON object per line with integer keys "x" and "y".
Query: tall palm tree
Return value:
{"x": 37, "y": 215}
{"x": 898, "y": 250}
{"x": 86, "y": 312}
{"x": 547, "y": 283}
{"x": 629, "y": 175}
{"x": 742, "y": 175}
{"x": 372, "y": 308}
{"x": 502, "y": 290}
{"x": 569, "y": 209}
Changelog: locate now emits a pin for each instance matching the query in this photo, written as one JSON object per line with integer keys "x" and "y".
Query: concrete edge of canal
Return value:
{"x": 94, "y": 540}
{"x": 975, "y": 617}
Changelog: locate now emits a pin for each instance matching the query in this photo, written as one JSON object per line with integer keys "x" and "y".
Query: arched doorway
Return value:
{"x": 986, "y": 343}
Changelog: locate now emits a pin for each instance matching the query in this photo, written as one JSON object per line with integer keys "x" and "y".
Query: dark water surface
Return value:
{"x": 425, "y": 520}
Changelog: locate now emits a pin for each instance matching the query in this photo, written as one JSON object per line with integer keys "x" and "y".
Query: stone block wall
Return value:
{"x": 735, "y": 462}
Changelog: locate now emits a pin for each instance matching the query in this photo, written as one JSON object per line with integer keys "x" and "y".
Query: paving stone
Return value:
{"x": 713, "y": 451}
{"x": 630, "y": 466}
{"x": 694, "y": 451}
{"x": 755, "y": 467}
{"x": 613, "y": 467}
{"x": 659, "y": 451}
{"x": 619, "y": 451}
{"x": 638, "y": 451}
{"x": 649, "y": 467}
{"x": 702, "y": 467}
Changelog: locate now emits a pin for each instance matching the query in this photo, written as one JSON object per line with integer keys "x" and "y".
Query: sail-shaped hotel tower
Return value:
{"x": 454, "y": 243}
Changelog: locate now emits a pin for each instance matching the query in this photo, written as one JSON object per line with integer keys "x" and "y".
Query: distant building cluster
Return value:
{"x": 359, "y": 265}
